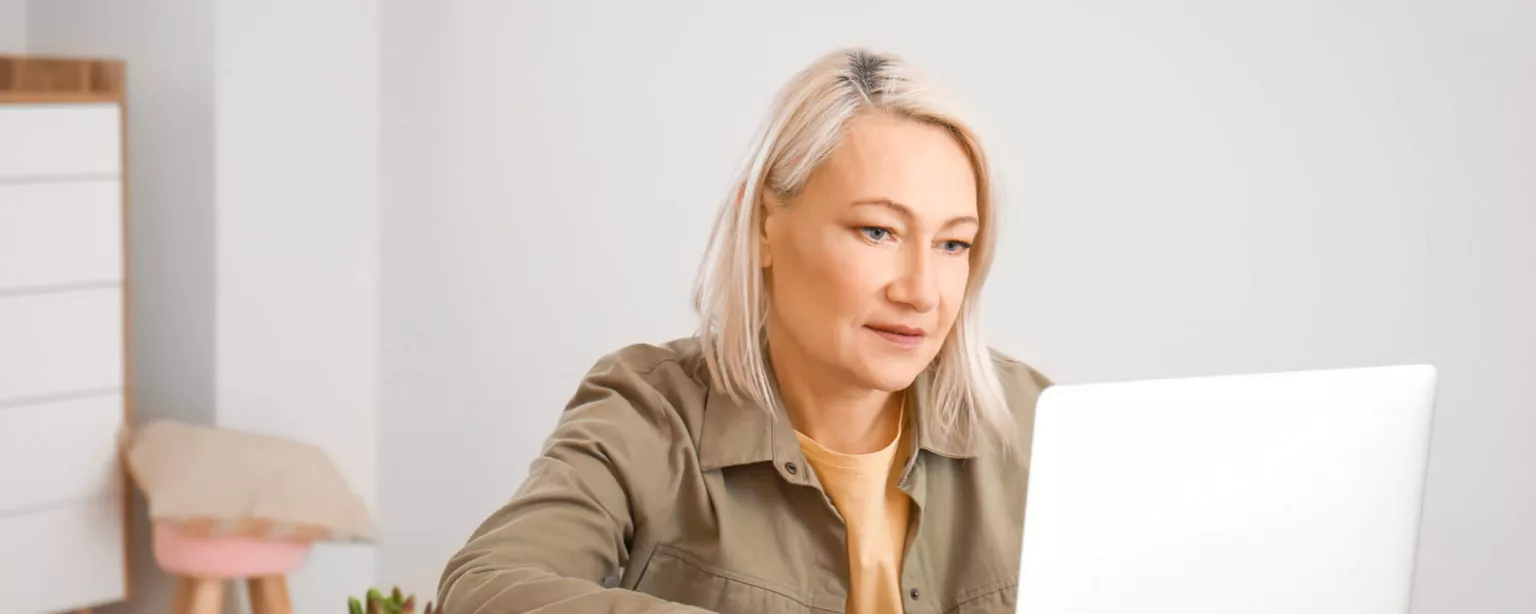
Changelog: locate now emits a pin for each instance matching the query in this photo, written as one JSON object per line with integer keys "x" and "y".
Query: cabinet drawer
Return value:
{"x": 42, "y": 140}
{"x": 60, "y": 342}
{"x": 59, "y": 452}
{"x": 60, "y": 233}
{"x": 64, "y": 558}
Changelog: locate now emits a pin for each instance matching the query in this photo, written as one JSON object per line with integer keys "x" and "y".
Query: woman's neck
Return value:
{"x": 844, "y": 418}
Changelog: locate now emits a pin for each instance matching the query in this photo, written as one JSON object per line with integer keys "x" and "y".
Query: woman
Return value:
{"x": 837, "y": 436}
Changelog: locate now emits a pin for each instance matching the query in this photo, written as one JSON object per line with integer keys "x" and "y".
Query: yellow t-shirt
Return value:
{"x": 863, "y": 488}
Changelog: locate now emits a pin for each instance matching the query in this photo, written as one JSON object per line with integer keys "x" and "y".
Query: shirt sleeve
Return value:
{"x": 572, "y": 521}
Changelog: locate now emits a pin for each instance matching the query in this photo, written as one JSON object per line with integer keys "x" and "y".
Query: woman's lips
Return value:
{"x": 902, "y": 336}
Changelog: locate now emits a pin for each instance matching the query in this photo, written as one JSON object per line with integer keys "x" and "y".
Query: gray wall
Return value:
{"x": 253, "y": 169}
{"x": 1193, "y": 189}
{"x": 13, "y": 26}
{"x": 170, "y": 56}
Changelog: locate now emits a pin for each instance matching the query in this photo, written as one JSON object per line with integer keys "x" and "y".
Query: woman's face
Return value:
{"x": 867, "y": 268}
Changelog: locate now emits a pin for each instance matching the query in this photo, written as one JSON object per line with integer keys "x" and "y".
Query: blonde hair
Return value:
{"x": 805, "y": 123}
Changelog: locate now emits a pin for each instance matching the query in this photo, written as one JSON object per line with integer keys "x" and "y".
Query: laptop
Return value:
{"x": 1274, "y": 493}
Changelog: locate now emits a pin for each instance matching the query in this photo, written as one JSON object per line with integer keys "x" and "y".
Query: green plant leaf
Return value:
{"x": 354, "y": 606}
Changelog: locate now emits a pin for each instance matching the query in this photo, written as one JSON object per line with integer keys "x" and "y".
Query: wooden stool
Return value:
{"x": 206, "y": 563}
{"x": 268, "y": 595}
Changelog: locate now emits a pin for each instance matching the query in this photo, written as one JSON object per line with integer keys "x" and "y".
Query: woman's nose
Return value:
{"x": 916, "y": 285}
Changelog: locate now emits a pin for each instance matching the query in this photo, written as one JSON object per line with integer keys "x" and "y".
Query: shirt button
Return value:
{"x": 913, "y": 593}
{"x": 791, "y": 468}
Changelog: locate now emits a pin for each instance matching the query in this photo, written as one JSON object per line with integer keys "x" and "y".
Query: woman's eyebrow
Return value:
{"x": 907, "y": 211}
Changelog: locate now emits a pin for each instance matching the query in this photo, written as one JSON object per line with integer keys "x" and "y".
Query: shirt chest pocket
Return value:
{"x": 674, "y": 575}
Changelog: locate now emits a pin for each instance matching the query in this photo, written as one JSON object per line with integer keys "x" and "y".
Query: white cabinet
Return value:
{"x": 63, "y": 352}
{"x": 60, "y": 233}
{"x": 64, "y": 558}
{"x": 53, "y": 140}
{"x": 64, "y": 342}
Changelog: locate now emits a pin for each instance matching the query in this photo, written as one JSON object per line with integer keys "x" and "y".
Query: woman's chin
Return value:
{"x": 889, "y": 377}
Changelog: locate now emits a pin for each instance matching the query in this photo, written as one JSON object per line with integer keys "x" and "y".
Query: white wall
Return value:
{"x": 297, "y": 161}
{"x": 13, "y": 26}
{"x": 1309, "y": 185}
{"x": 1194, "y": 189}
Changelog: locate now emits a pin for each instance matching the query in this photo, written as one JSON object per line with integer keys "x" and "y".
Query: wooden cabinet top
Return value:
{"x": 33, "y": 78}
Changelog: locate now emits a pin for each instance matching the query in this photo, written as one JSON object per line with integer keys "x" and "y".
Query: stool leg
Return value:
{"x": 269, "y": 595}
{"x": 198, "y": 596}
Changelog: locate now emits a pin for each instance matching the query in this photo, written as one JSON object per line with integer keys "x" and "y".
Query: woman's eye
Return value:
{"x": 875, "y": 233}
{"x": 955, "y": 247}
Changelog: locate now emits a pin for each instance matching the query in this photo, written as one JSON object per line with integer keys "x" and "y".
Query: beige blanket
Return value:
{"x": 226, "y": 483}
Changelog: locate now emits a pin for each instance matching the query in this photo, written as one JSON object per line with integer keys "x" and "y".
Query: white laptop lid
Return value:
{"x": 1253, "y": 494}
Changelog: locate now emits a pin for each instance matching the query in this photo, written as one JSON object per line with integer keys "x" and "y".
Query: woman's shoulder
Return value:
{"x": 1022, "y": 386}
{"x": 676, "y": 358}
{"x": 657, "y": 376}
{"x": 1017, "y": 376}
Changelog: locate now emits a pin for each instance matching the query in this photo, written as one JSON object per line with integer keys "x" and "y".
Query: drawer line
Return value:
{"x": 82, "y": 286}
{"x": 39, "y": 508}
{"x": 59, "y": 178}
{"x": 88, "y": 393}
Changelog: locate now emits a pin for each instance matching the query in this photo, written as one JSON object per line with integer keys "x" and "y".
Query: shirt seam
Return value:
{"x": 734, "y": 576}
{"x": 669, "y": 418}
{"x": 657, "y": 365}
{"x": 980, "y": 593}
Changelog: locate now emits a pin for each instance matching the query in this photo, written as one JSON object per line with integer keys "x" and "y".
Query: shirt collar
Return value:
{"x": 932, "y": 435}
{"x": 740, "y": 432}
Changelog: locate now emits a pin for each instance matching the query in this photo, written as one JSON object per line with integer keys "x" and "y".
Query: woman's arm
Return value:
{"x": 571, "y": 524}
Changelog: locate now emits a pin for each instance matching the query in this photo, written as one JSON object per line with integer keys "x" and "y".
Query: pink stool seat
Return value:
{"x": 229, "y": 558}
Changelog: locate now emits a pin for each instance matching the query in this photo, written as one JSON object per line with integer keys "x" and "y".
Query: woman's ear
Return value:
{"x": 765, "y": 231}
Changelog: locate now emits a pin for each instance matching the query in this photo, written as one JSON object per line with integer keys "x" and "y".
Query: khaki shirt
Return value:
{"x": 656, "y": 494}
